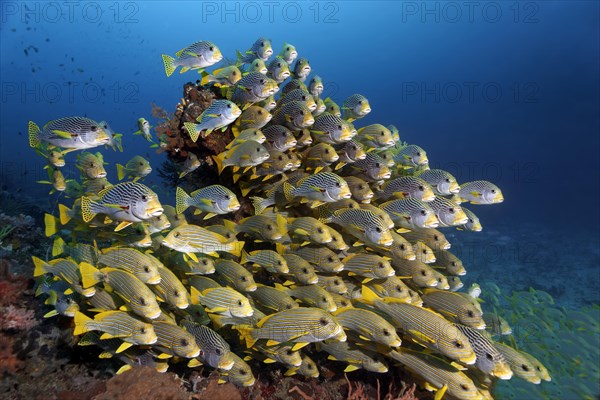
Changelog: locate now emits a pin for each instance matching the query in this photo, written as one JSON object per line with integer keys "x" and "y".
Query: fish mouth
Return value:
{"x": 183, "y": 306}
{"x": 227, "y": 366}
{"x": 153, "y": 340}
{"x": 154, "y": 316}
{"x": 503, "y": 373}
{"x": 251, "y": 288}
{"x": 470, "y": 360}
{"x": 194, "y": 354}
{"x": 155, "y": 212}
{"x": 387, "y": 243}
{"x": 154, "y": 281}
{"x": 313, "y": 281}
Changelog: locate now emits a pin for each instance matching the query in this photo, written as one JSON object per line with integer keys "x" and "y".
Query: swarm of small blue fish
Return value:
{"x": 342, "y": 253}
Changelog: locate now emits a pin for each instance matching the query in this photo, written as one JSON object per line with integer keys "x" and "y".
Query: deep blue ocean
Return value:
{"x": 503, "y": 91}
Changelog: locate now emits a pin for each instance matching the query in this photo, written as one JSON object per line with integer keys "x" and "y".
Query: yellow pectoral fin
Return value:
{"x": 268, "y": 360}
{"x": 440, "y": 393}
{"x": 64, "y": 135}
{"x": 299, "y": 345}
{"x": 271, "y": 342}
{"x": 124, "y": 346}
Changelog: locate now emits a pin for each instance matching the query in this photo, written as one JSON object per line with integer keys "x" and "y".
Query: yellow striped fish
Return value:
{"x": 240, "y": 373}
{"x": 322, "y": 258}
{"x": 223, "y": 300}
{"x": 425, "y": 327}
{"x": 192, "y": 239}
{"x": 131, "y": 260}
{"x": 270, "y": 260}
{"x": 175, "y": 340}
{"x": 282, "y": 354}
{"x": 355, "y": 356}
{"x": 369, "y": 266}
{"x": 369, "y": 325}
{"x": 433, "y": 238}
{"x": 170, "y": 289}
{"x": 520, "y": 364}
{"x": 66, "y": 270}
{"x": 273, "y": 298}
{"x": 136, "y": 294}
{"x": 235, "y": 275}
{"x": 454, "y": 307}
{"x": 332, "y": 284}
{"x": 314, "y": 296}
{"x": 303, "y": 271}
{"x": 215, "y": 350}
{"x": 421, "y": 274}
{"x": 309, "y": 230}
{"x": 116, "y": 324}
{"x": 489, "y": 360}
{"x": 300, "y": 325}
{"x": 438, "y": 373}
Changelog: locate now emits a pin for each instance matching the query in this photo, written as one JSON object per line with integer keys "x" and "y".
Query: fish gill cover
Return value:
{"x": 278, "y": 190}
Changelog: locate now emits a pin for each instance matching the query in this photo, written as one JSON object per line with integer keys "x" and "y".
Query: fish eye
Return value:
{"x": 380, "y": 265}
{"x": 234, "y": 73}
{"x": 177, "y": 234}
{"x": 279, "y": 263}
{"x": 239, "y": 303}
{"x": 176, "y": 293}
{"x": 218, "y": 351}
{"x": 301, "y": 112}
{"x": 421, "y": 188}
{"x": 378, "y": 229}
{"x": 211, "y": 48}
{"x": 144, "y": 197}
{"x": 489, "y": 356}
{"x": 464, "y": 387}
{"x": 262, "y": 81}
{"x": 258, "y": 149}
{"x": 93, "y": 128}
{"x": 458, "y": 345}
{"x": 423, "y": 212}
{"x": 320, "y": 230}
{"x": 453, "y": 263}
{"x": 305, "y": 270}
{"x": 184, "y": 342}
{"x": 280, "y": 158}
{"x": 386, "y": 332}
{"x": 330, "y": 259}
{"x": 228, "y": 105}
{"x": 227, "y": 197}
{"x": 447, "y": 180}
{"x": 493, "y": 190}
{"x": 377, "y": 165}
{"x": 470, "y": 313}
{"x": 243, "y": 279}
{"x": 323, "y": 321}
{"x": 354, "y": 148}
{"x": 326, "y": 151}
{"x": 360, "y": 102}
{"x": 146, "y": 269}
{"x": 269, "y": 227}
{"x": 262, "y": 44}
{"x": 259, "y": 112}
{"x": 382, "y": 133}
{"x": 204, "y": 262}
{"x": 142, "y": 301}
{"x": 279, "y": 64}
{"x": 142, "y": 330}
{"x": 402, "y": 247}
{"x": 337, "y": 184}
{"x": 525, "y": 368}
{"x": 424, "y": 251}
{"x": 399, "y": 289}
{"x": 336, "y": 282}
{"x": 289, "y": 352}
{"x": 141, "y": 163}
{"x": 423, "y": 272}
{"x": 418, "y": 154}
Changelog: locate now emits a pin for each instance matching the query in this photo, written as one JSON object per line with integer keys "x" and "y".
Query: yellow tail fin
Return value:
{"x": 236, "y": 247}
{"x": 64, "y": 214}
{"x": 219, "y": 161}
{"x": 168, "y": 63}
{"x": 39, "y": 266}
{"x": 181, "y": 200}
{"x": 81, "y": 321}
{"x": 86, "y": 209}
{"x": 89, "y": 274}
{"x": 58, "y": 247}
{"x": 51, "y": 223}
{"x": 120, "y": 172}
{"x": 192, "y": 130}
{"x": 33, "y": 132}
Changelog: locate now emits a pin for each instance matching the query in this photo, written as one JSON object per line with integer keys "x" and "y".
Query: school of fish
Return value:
{"x": 344, "y": 254}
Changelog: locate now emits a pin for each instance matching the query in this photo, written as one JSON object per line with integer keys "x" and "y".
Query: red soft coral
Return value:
{"x": 12, "y": 317}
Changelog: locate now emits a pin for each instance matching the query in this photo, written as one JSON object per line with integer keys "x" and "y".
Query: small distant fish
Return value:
{"x": 267, "y": 259}
{"x": 473, "y": 223}
{"x": 252, "y": 88}
{"x": 448, "y": 212}
{"x": 91, "y": 165}
{"x": 332, "y": 107}
{"x": 332, "y": 129}
{"x": 279, "y": 138}
{"x": 223, "y": 300}
{"x": 263, "y": 228}
{"x": 56, "y": 179}
{"x": 360, "y": 189}
{"x": 190, "y": 164}
{"x": 257, "y": 65}
{"x": 214, "y": 199}
{"x": 226, "y": 76}
{"x": 324, "y": 259}
{"x": 138, "y": 167}
{"x": 261, "y": 49}
{"x": 369, "y": 266}
{"x": 245, "y": 154}
{"x": 433, "y": 238}
{"x": 480, "y": 192}
{"x": 218, "y": 115}
{"x": 144, "y": 129}
{"x": 301, "y": 69}
{"x": 235, "y": 275}
{"x": 288, "y": 53}
{"x": 195, "y": 56}
{"x": 407, "y": 186}
{"x": 376, "y": 136}
{"x": 450, "y": 262}
{"x": 356, "y": 356}
{"x": 411, "y": 156}
{"x": 354, "y": 107}
{"x": 364, "y": 225}
{"x": 442, "y": 182}
{"x": 295, "y": 115}
{"x": 278, "y": 70}
{"x": 315, "y": 87}
{"x": 69, "y": 133}
{"x": 253, "y": 117}
{"x": 323, "y": 187}
{"x": 410, "y": 213}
